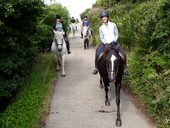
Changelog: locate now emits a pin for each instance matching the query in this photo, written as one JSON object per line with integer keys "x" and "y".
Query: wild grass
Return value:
{"x": 27, "y": 109}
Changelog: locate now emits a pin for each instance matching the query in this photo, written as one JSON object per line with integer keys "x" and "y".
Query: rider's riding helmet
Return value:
{"x": 85, "y": 16}
{"x": 58, "y": 17}
{"x": 104, "y": 13}
{"x": 72, "y": 17}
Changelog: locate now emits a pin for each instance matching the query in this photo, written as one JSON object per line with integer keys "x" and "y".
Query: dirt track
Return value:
{"x": 78, "y": 102}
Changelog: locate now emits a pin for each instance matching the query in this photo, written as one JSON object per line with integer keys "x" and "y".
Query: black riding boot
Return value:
{"x": 81, "y": 35}
{"x": 67, "y": 45}
{"x": 125, "y": 71}
{"x": 49, "y": 47}
{"x": 95, "y": 70}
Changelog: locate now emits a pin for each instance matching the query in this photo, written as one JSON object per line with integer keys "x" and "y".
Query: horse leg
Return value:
{"x": 101, "y": 83}
{"x": 88, "y": 44}
{"x": 63, "y": 69}
{"x": 106, "y": 83}
{"x": 117, "y": 91}
{"x": 58, "y": 63}
{"x": 74, "y": 34}
{"x": 85, "y": 44}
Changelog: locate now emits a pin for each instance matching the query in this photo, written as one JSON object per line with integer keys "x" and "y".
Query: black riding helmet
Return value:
{"x": 58, "y": 17}
{"x": 104, "y": 13}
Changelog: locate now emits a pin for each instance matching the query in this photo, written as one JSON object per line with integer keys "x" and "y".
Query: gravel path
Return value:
{"x": 78, "y": 102}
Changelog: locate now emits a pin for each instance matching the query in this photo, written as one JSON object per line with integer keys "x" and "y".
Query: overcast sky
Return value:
{"x": 75, "y": 7}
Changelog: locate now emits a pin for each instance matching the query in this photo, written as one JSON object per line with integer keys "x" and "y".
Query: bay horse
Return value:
{"x": 86, "y": 36}
{"x": 72, "y": 27}
{"x": 110, "y": 68}
{"x": 59, "y": 49}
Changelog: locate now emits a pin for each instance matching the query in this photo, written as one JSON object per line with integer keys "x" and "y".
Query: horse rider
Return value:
{"x": 59, "y": 26}
{"x": 86, "y": 23}
{"x": 108, "y": 34}
{"x": 73, "y": 20}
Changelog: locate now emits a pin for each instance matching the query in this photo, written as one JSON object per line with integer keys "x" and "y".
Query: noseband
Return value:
{"x": 59, "y": 44}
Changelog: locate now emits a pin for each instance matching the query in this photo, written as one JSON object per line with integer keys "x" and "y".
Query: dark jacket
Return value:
{"x": 73, "y": 21}
{"x": 63, "y": 27}
{"x": 86, "y": 23}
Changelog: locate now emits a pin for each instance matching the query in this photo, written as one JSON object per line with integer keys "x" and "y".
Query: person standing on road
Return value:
{"x": 59, "y": 26}
{"x": 108, "y": 34}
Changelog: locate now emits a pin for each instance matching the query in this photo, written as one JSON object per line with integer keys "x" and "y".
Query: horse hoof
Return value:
{"x": 101, "y": 86}
{"x": 63, "y": 75}
{"x": 109, "y": 89}
{"x": 118, "y": 123}
{"x": 107, "y": 103}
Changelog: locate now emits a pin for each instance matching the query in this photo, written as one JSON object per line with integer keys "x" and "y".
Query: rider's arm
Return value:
{"x": 102, "y": 35}
{"x": 88, "y": 24}
{"x": 116, "y": 32}
{"x": 54, "y": 26}
{"x": 83, "y": 23}
{"x": 64, "y": 27}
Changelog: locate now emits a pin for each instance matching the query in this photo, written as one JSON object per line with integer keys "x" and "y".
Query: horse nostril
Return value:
{"x": 59, "y": 49}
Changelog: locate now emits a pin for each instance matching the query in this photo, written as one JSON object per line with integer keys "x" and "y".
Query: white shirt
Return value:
{"x": 108, "y": 33}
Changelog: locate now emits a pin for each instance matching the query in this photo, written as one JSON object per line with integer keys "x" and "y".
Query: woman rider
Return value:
{"x": 108, "y": 34}
{"x": 59, "y": 26}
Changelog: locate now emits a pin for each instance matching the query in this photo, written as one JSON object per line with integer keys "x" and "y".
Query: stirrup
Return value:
{"x": 48, "y": 50}
{"x": 95, "y": 71}
{"x": 126, "y": 72}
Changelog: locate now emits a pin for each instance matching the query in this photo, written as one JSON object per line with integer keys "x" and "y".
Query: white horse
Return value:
{"x": 72, "y": 27}
{"x": 86, "y": 36}
{"x": 59, "y": 50}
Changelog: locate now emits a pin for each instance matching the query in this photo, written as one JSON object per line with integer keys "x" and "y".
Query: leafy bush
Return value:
{"x": 18, "y": 23}
{"x": 26, "y": 110}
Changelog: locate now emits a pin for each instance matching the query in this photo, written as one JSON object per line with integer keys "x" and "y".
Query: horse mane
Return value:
{"x": 58, "y": 35}
{"x": 109, "y": 47}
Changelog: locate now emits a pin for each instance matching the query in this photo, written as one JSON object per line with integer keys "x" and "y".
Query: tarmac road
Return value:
{"x": 78, "y": 102}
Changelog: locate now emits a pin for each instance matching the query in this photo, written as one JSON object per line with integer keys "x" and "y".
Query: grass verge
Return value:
{"x": 32, "y": 101}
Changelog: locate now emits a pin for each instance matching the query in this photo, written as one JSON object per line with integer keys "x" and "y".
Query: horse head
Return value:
{"x": 58, "y": 39}
{"x": 85, "y": 31}
{"x": 112, "y": 62}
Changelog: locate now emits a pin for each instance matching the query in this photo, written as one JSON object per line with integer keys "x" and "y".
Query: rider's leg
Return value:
{"x": 67, "y": 44}
{"x": 99, "y": 50}
{"x": 81, "y": 34}
{"x": 50, "y": 44}
{"x": 126, "y": 72}
{"x": 91, "y": 32}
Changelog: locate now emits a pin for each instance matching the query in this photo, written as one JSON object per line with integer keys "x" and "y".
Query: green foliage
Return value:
{"x": 25, "y": 29}
{"x": 27, "y": 108}
{"x": 18, "y": 23}
{"x": 84, "y": 13}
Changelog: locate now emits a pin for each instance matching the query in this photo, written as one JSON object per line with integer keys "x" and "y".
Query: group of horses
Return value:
{"x": 110, "y": 65}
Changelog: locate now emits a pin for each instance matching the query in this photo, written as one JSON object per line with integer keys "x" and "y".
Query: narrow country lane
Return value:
{"x": 78, "y": 102}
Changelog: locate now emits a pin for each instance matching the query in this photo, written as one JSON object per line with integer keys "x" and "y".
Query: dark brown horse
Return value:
{"x": 110, "y": 67}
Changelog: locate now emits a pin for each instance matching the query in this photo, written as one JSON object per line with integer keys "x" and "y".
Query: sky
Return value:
{"x": 75, "y": 7}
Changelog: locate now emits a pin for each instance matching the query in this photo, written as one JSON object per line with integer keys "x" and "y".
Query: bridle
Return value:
{"x": 59, "y": 45}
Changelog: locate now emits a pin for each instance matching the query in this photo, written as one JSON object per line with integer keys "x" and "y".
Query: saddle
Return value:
{"x": 109, "y": 47}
